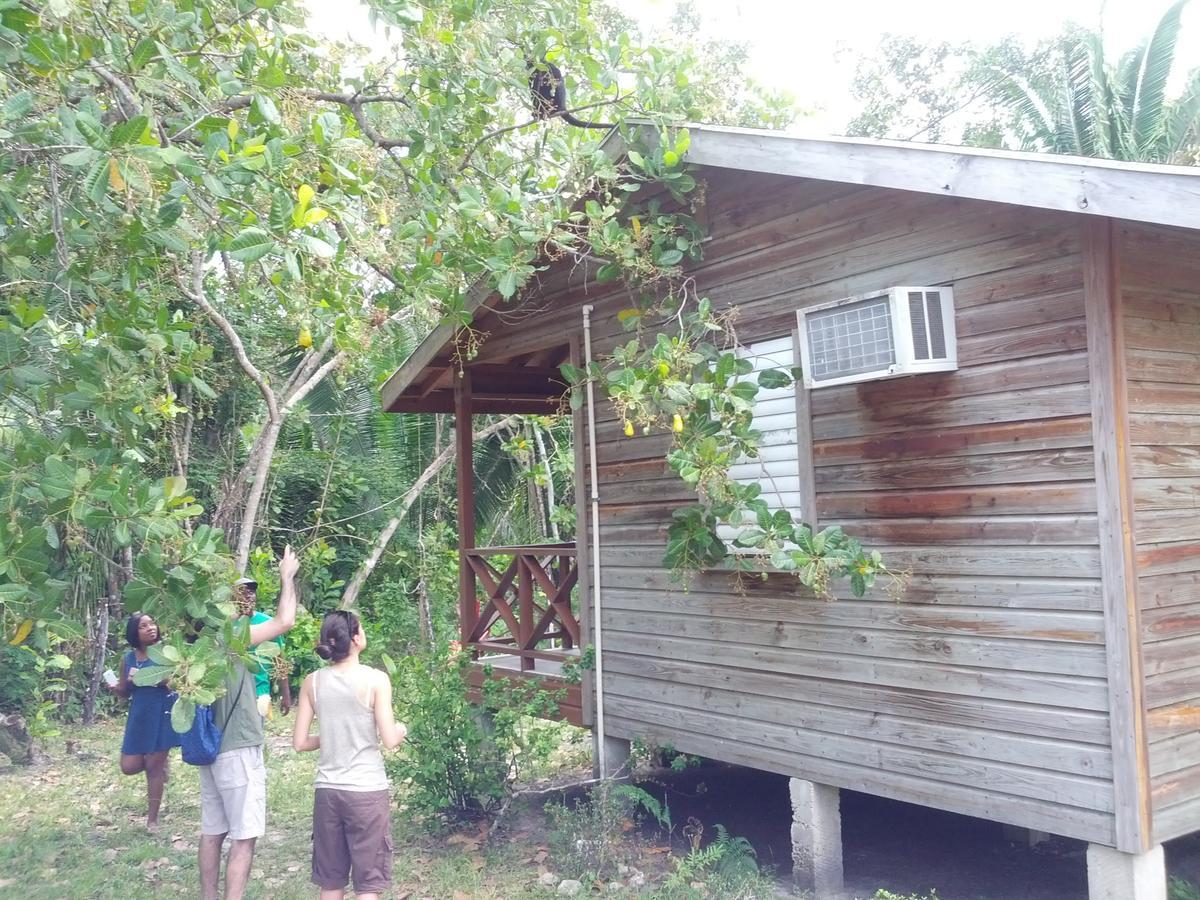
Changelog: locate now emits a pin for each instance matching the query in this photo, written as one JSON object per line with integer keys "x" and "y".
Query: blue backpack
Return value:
{"x": 201, "y": 743}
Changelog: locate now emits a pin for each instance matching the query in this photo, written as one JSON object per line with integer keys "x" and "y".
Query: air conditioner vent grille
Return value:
{"x": 937, "y": 327}
{"x": 916, "y": 312}
{"x": 851, "y": 339}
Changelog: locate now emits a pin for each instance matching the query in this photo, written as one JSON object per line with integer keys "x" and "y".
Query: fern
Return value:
{"x": 660, "y": 812}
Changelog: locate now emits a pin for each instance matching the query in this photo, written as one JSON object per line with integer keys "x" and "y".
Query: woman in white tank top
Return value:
{"x": 352, "y": 831}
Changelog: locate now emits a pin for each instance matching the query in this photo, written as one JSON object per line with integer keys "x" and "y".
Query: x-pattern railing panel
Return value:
{"x": 530, "y": 596}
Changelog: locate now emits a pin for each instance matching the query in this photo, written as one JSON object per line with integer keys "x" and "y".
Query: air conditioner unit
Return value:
{"x": 899, "y": 331}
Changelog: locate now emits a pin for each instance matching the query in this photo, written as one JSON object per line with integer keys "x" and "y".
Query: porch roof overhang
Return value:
{"x": 1141, "y": 192}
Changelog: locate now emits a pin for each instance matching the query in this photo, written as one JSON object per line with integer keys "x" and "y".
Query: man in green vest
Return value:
{"x": 233, "y": 790}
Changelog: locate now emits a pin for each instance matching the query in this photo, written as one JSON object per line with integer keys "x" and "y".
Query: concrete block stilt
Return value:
{"x": 1113, "y": 875}
{"x": 816, "y": 839}
{"x": 616, "y": 756}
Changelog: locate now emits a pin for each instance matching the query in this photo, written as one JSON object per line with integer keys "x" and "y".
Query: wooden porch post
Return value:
{"x": 524, "y": 610}
{"x": 468, "y": 603}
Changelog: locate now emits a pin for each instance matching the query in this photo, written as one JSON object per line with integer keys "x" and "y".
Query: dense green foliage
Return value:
{"x": 217, "y": 237}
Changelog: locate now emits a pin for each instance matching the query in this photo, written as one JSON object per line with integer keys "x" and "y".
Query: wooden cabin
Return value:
{"x": 1042, "y": 668}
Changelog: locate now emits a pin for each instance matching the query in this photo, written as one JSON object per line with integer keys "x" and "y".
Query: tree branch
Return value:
{"x": 353, "y": 100}
{"x": 558, "y": 115}
{"x": 195, "y": 292}
{"x": 128, "y": 101}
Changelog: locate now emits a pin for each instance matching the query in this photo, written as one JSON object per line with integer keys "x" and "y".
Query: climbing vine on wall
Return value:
{"x": 681, "y": 372}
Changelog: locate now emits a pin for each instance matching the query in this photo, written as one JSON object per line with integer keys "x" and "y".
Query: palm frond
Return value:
{"x": 1023, "y": 100}
{"x": 1153, "y": 66}
{"x": 1106, "y": 116}
{"x": 1076, "y": 133}
{"x": 1183, "y": 120}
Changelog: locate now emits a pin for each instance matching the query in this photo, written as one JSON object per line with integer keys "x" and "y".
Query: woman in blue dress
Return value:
{"x": 149, "y": 736}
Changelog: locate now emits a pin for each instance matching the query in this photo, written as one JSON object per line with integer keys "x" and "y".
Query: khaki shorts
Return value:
{"x": 352, "y": 831}
{"x": 233, "y": 794}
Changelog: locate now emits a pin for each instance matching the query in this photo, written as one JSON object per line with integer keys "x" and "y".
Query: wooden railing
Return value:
{"x": 525, "y": 609}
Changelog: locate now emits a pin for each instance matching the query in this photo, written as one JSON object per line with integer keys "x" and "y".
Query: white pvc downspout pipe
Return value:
{"x": 597, "y": 636}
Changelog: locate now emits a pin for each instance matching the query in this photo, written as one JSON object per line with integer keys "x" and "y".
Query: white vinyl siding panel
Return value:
{"x": 777, "y": 467}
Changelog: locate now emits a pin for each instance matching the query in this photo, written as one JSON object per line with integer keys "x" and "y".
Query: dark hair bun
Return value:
{"x": 337, "y": 635}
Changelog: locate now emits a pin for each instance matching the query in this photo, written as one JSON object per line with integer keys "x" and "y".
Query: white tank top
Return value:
{"x": 350, "y": 759}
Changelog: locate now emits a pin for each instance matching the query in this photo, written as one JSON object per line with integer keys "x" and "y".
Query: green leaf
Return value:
{"x": 152, "y": 675}
{"x": 10, "y": 593}
{"x": 169, "y": 239}
{"x": 281, "y": 211}
{"x": 250, "y": 245}
{"x": 263, "y": 110}
{"x": 174, "y": 486}
{"x": 95, "y": 183}
{"x": 769, "y": 379}
{"x": 19, "y": 104}
{"x": 80, "y": 158}
{"x": 183, "y": 714}
{"x": 92, "y": 131}
{"x": 316, "y": 246}
{"x": 143, "y": 53}
{"x": 608, "y": 272}
{"x": 203, "y": 389}
{"x": 127, "y": 132}
{"x": 121, "y": 534}
{"x": 506, "y": 284}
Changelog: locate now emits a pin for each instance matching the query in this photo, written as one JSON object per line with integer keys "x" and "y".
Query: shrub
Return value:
{"x": 461, "y": 759}
{"x": 589, "y": 837}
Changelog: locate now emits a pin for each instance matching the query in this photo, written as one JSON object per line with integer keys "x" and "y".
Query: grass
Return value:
{"x": 75, "y": 828}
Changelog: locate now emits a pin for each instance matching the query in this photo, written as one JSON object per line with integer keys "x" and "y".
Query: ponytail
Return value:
{"x": 337, "y": 632}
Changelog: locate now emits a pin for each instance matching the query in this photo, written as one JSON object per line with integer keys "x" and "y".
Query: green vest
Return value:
{"x": 245, "y": 725}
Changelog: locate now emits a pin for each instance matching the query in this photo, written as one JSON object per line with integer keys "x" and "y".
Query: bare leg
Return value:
{"x": 340, "y": 894}
{"x": 132, "y": 763}
{"x": 237, "y": 868}
{"x": 210, "y": 865}
{"x": 156, "y": 780}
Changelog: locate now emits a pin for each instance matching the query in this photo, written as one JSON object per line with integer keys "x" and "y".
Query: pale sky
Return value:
{"x": 811, "y": 48}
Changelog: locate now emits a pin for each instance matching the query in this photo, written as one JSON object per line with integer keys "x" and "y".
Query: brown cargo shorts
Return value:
{"x": 352, "y": 832}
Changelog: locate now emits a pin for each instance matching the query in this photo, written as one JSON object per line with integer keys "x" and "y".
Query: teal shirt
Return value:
{"x": 262, "y": 678}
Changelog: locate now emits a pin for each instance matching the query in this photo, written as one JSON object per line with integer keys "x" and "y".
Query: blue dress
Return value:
{"x": 148, "y": 729}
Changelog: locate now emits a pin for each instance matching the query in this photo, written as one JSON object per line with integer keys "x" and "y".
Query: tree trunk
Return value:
{"x": 551, "y": 502}
{"x": 262, "y": 468}
{"x": 425, "y": 612}
{"x": 99, "y": 649}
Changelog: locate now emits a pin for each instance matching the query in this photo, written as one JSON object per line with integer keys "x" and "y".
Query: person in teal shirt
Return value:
{"x": 247, "y": 589}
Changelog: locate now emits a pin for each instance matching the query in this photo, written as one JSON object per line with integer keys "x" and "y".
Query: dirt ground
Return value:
{"x": 898, "y": 846}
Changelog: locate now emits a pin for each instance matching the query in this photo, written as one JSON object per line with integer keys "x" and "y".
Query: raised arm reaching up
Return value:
{"x": 285, "y": 610}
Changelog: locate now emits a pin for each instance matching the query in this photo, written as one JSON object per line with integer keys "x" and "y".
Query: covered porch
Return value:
{"x": 521, "y": 607}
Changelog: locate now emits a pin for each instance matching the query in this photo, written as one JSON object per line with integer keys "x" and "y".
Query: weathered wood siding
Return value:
{"x": 983, "y": 690}
{"x": 1160, "y": 281}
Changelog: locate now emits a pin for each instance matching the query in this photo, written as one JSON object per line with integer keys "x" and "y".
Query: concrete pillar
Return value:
{"x": 1113, "y": 875}
{"x": 616, "y": 757}
{"x": 816, "y": 839}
